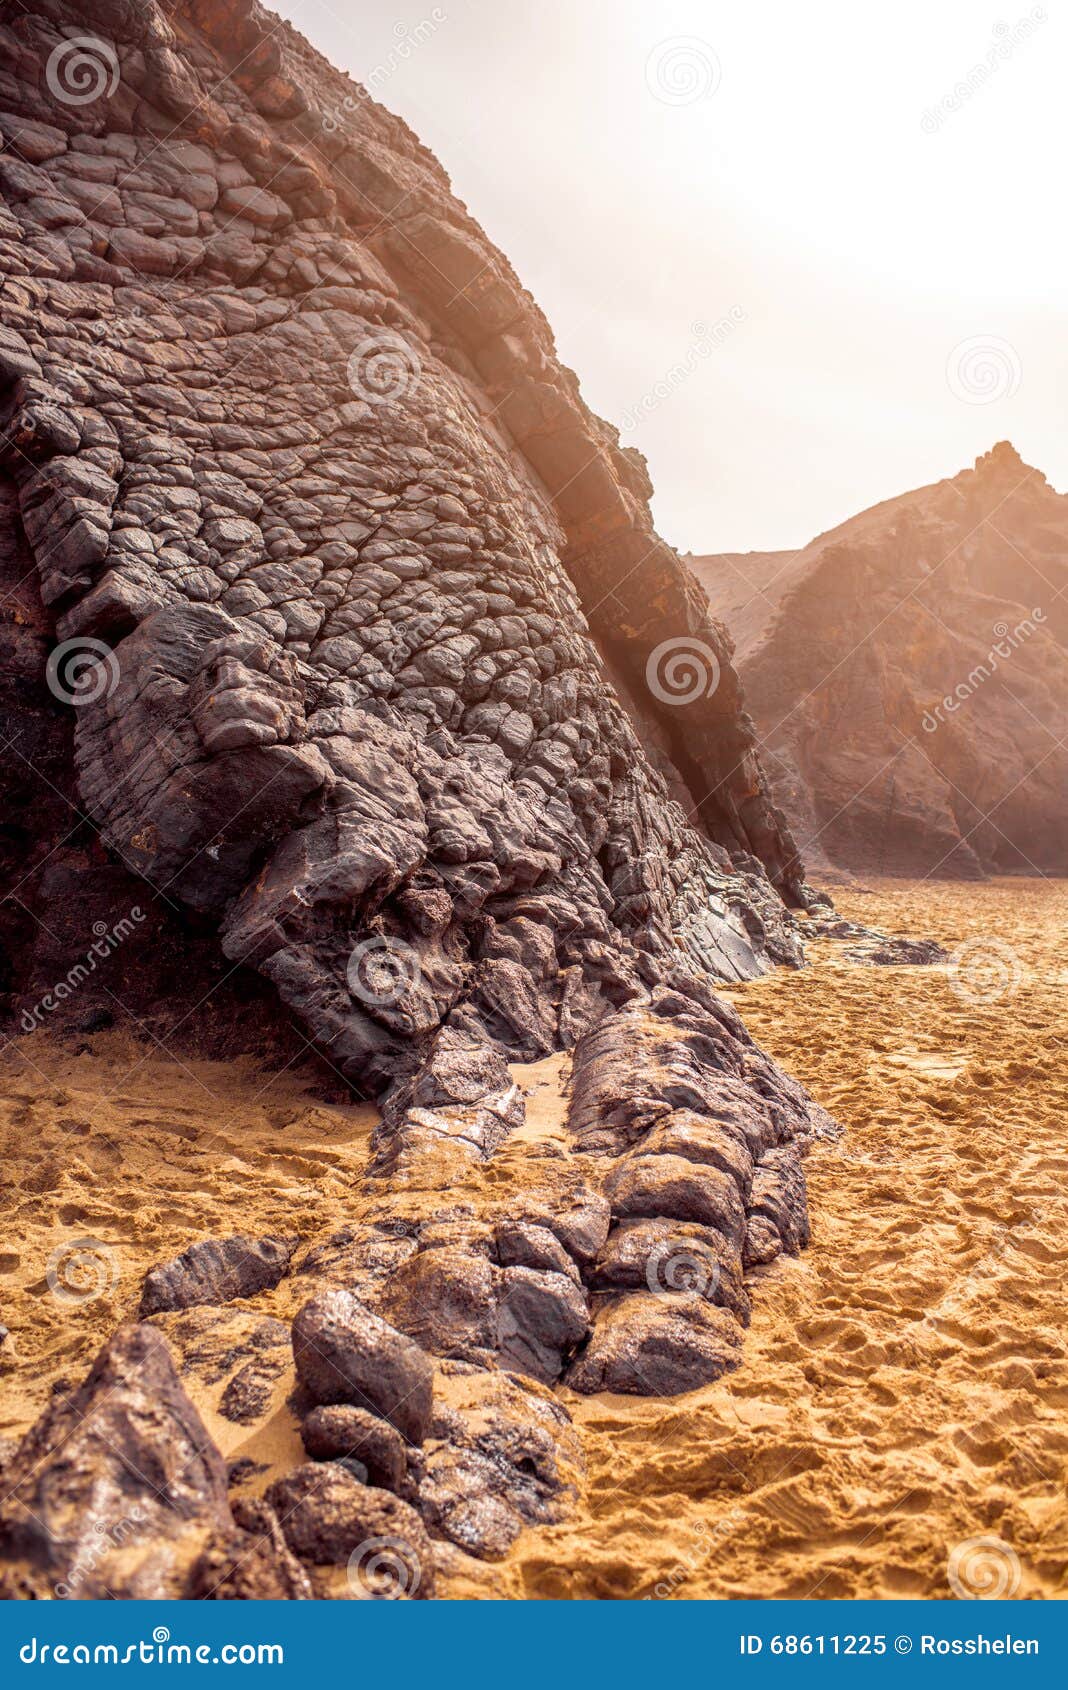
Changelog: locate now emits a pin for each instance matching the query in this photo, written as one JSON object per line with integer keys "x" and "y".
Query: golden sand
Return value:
{"x": 904, "y": 1386}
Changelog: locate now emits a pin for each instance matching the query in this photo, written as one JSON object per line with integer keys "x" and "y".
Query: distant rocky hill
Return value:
{"x": 908, "y": 676}
{"x": 351, "y": 700}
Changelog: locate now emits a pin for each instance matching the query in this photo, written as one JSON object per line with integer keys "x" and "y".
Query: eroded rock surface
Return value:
{"x": 289, "y": 442}
{"x": 216, "y": 1271}
{"x": 117, "y": 1484}
{"x": 702, "y": 1139}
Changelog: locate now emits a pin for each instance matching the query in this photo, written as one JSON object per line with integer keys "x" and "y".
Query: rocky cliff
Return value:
{"x": 344, "y": 672}
{"x": 907, "y": 672}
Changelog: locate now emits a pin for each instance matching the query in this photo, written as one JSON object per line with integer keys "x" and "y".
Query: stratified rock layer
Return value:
{"x": 908, "y": 676}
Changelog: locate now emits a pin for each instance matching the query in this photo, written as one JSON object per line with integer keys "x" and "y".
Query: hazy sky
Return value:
{"x": 865, "y": 198}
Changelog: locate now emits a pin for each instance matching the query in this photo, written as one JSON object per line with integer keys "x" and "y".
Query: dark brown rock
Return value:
{"x": 216, "y": 1271}
{"x": 524, "y": 1244}
{"x": 541, "y": 1319}
{"x": 680, "y": 1190}
{"x": 344, "y": 1353}
{"x": 778, "y": 1216}
{"x": 117, "y": 1481}
{"x": 696, "y": 1138}
{"x": 657, "y": 1346}
{"x": 502, "y": 1455}
{"x": 252, "y": 1563}
{"x": 446, "y": 1300}
{"x": 662, "y": 1255}
{"x": 338, "y": 1431}
{"x": 329, "y": 1518}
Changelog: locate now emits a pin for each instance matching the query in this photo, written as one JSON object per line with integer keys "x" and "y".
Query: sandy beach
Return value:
{"x": 899, "y": 1415}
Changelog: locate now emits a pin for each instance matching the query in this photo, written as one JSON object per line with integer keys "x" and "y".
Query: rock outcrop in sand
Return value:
{"x": 376, "y": 673}
{"x": 907, "y": 673}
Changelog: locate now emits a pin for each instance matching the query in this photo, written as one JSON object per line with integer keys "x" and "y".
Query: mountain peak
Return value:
{"x": 1004, "y": 459}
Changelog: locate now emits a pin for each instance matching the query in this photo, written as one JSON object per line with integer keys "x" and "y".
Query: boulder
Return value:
{"x": 118, "y": 1483}
{"x": 679, "y": 1190}
{"x": 657, "y": 1346}
{"x": 662, "y": 1255}
{"x": 328, "y": 1518}
{"x": 216, "y": 1271}
{"x": 502, "y": 1455}
{"x": 778, "y": 1217}
{"x": 345, "y": 1354}
{"x": 541, "y": 1318}
{"x": 251, "y": 1563}
{"x": 340, "y": 1432}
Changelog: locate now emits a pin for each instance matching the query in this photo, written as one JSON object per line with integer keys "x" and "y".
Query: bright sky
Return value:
{"x": 875, "y": 223}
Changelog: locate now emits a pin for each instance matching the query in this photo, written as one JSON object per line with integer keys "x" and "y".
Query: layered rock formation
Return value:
{"x": 908, "y": 676}
{"x": 376, "y": 670}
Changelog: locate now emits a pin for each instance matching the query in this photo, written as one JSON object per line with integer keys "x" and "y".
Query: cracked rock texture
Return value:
{"x": 907, "y": 672}
{"x": 376, "y": 599}
{"x": 341, "y": 625}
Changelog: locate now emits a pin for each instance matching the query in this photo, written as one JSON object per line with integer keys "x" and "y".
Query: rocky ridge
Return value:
{"x": 907, "y": 675}
{"x": 371, "y": 659}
